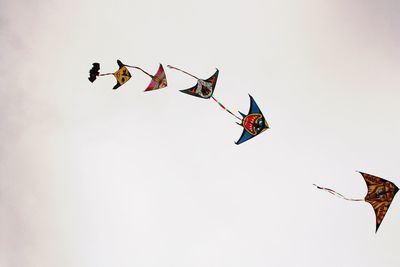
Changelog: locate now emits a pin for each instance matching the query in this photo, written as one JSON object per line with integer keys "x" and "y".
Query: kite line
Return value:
{"x": 224, "y": 108}
{"x": 145, "y": 72}
{"x": 187, "y": 73}
{"x": 105, "y": 74}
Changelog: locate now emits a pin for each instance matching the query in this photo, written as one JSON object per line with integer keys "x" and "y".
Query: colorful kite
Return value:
{"x": 253, "y": 123}
{"x": 122, "y": 74}
{"x": 203, "y": 88}
{"x": 158, "y": 81}
{"x": 380, "y": 195}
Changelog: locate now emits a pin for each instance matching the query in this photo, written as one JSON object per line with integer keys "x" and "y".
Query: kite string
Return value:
{"x": 105, "y": 74}
{"x": 172, "y": 67}
{"x": 224, "y": 108}
{"x": 333, "y": 192}
{"x": 140, "y": 69}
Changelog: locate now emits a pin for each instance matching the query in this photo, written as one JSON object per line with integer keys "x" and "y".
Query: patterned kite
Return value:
{"x": 203, "y": 88}
{"x": 380, "y": 195}
{"x": 122, "y": 75}
{"x": 158, "y": 81}
{"x": 253, "y": 123}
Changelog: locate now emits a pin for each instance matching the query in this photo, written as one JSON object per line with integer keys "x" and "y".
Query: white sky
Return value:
{"x": 95, "y": 177}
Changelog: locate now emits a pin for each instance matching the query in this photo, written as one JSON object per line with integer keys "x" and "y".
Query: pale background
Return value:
{"x": 95, "y": 177}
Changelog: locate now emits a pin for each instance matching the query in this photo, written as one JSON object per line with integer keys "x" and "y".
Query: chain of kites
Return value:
{"x": 253, "y": 123}
{"x": 380, "y": 191}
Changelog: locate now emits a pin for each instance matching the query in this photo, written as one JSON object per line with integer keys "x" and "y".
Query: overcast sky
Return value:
{"x": 94, "y": 177}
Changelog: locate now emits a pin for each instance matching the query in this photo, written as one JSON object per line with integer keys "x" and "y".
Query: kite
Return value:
{"x": 203, "y": 88}
{"x": 158, "y": 81}
{"x": 94, "y": 72}
{"x": 253, "y": 123}
{"x": 380, "y": 195}
{"x": 122, "y": 75}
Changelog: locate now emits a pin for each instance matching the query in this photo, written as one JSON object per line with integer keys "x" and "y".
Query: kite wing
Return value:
{"x": 253, "y": 123}
{"x": 203, "y": 88}
{"x": 380, "y": 195}
{"x": 158, "y": 81}
{"x": 122, "y": 75}
{"x": 94, "y": 72}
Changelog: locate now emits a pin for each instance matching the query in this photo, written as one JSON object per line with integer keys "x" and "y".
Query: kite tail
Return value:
{"x": 333, "y": 192}
{"x": 224, "y": 108}
{"x": 174, "y": 68}
{"x": 145, "y": 72}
